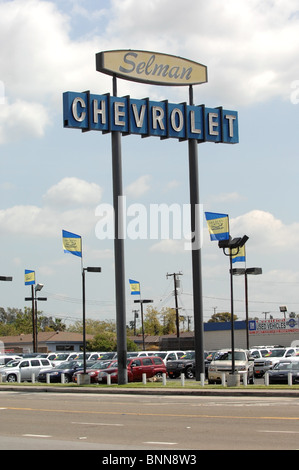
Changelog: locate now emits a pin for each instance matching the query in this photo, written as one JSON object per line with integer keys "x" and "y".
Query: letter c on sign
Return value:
{"x": 78, "y": 117}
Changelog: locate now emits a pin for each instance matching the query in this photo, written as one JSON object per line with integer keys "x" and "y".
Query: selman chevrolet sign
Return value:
{"x": 106, "y": 113}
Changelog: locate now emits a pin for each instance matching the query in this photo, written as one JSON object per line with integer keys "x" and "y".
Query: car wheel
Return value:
{"x": 67, "y": 379}
{"x": 159, "y": 375}
{"x": 11, "y": 378}
{"x": 189, "y": 374}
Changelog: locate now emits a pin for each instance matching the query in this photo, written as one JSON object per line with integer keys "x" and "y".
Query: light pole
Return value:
{"x": 141, "y": 302}
{"x": 89, "y": 270}
{"x": 34, "y": 300}
{"x": 232, "y": 245}
{"x": 245, "y": 272}
{"x": 176, "y": 284}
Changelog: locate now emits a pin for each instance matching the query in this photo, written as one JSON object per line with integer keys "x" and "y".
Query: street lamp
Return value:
{"x": 89, "y": 270}
{"x": 245, "y": 272}
{"x": 141, "y": 302}
{"x": 5, "y": 278}
{"x": 283, "y": 309}
{"x": 232, "y": 244}
{"x": 34, "y": 300}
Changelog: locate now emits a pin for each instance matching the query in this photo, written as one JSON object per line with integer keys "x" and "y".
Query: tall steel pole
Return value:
{"x": 119, "y": 253}
{"x": 196, "y": 254}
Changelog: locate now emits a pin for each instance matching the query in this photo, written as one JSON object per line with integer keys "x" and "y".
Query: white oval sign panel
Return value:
{"x": 151, "y": 67}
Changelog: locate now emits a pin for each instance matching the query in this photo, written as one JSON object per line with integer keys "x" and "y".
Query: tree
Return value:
{"x": 107, "y": 342}
{"x": 221, "y": 317}
{"x": 152, "y": 325}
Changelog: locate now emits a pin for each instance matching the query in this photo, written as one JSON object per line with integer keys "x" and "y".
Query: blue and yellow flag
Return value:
{"x": 135, "y": 287}
{"x": 238, "y": 254}
{"x": 72, "y": 243}
{"x": 218, "y": 225}
{"x": 29, "y": 277}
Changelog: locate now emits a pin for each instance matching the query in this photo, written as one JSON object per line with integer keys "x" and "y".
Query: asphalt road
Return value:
{"x": 137, "y": 422}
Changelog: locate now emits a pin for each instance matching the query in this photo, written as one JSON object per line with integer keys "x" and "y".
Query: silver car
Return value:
{"x": 22, "y": 370}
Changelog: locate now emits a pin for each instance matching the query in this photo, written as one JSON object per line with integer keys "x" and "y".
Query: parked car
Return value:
{"x": 258, "y": 353}
{"x": 68, "y": 368}
{"x": 108, "y": 355}
{"x": 94, "y": 370}
{"x": 185, "y": 365}
{"x": 7, "y": 358}
{"x": 222, "y": 362}
{"x": 279, "y": 373}
{"x": 274, "y": 355}
{"x": 169, "y": 355}
{"x": 150, "y": 365}
{"x": 23, "y": 369}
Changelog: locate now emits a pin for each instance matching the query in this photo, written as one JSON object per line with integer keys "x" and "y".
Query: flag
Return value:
{"x": 29, "y": 277}
{"x": 135, "y": 287}
{"x": 238, "y": 254}
{"x": 218, "y": 226}
{"x": 72, "y": 243}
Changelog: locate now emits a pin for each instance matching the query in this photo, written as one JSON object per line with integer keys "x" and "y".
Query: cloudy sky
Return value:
{"x": 53, "y": 178}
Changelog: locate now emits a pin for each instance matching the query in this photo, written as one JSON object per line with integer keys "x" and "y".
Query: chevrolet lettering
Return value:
{"x": 107, "y": 113}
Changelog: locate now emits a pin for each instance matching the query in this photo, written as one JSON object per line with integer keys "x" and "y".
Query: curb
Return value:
{"x": 156, "y": 391}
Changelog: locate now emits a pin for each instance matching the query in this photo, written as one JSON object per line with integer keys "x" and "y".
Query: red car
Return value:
{"x": 94, "y": 370}
{"x": 136, "y": 366}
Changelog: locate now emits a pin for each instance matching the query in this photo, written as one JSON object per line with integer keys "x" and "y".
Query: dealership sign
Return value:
{"x": 283, "y": 325}
{"x": 151, "y": 67}
{"x": 107, "y": 113}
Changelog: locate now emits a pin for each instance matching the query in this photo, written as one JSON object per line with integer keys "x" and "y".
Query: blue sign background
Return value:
{"x": 162, "y": 119}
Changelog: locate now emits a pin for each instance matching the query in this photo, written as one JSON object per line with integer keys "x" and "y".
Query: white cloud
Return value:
{"x": 73, "y": 192}
{"x": 266, "y": 232}
{"x": 138, "y": 187}
{"x": 41, "y": 59}
{"x": 50, "y": 219}
{"x": 22, "y": 119}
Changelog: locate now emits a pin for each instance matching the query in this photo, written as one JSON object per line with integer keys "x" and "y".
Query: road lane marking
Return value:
{"x": 162, "y": 415}
{"x": 97, "y": 424}
{"x": 35, "y": 435}
{"x": 161, "y": 443}
{"x": 282, "y": 432}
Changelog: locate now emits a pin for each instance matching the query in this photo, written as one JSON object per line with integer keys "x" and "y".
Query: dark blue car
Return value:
{"x": 279, "y": 373}
{"x": 68, "y": 368}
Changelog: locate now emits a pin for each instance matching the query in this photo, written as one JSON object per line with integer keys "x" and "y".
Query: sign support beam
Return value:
{"x": 196, "y": 253}
{"x": 119, "y": 253}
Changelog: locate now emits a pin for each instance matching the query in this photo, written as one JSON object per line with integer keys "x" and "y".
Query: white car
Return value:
{"x": 274, "y": 355}
{"x": 22, "y": 370}
{"x": 222, "y": 363}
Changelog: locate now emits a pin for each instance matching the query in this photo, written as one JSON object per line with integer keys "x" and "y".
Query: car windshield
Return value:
{"x": 227, "y": 356}
{"x": 286, "y": 366}
{"x": 12, "y": 363}
{"x": 189, "y": 355}
{"x": 101, "y": 364}
{"x": 276, "y": 353}
{"x": 61, "y": 357}
{"x": 67, "y": 365}
{"x": 162, "y": 355}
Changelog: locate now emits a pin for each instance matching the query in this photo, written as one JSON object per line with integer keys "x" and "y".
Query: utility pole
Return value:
{"x": 176, "y": 284}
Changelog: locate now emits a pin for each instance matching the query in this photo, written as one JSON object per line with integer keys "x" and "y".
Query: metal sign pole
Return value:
{"x": 119, "y": 253}
{"x": 196, "y": 253}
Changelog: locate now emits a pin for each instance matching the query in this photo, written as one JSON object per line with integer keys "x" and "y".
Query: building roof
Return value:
{"x": 45, "y": 337}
